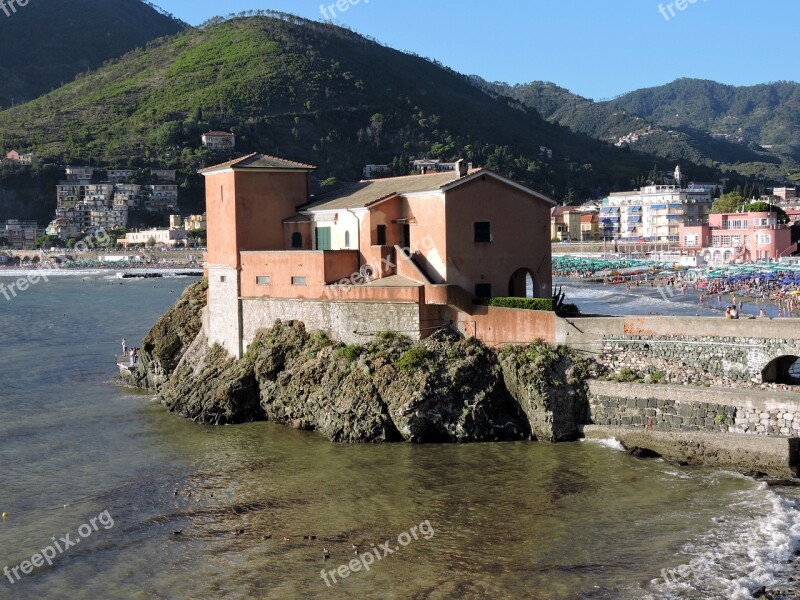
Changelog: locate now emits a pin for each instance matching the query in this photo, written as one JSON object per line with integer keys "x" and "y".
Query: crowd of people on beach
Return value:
{"x": 716, "y": 288}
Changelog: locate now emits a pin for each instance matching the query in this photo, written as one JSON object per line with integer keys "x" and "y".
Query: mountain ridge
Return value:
{"x": 44, "y": 45}
{"x": 755, "y": 129}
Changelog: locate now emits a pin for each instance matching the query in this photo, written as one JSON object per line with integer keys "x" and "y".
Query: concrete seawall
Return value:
{"x": 746, "y": 430}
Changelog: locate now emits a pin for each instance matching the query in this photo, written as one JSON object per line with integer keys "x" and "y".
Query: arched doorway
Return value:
{"x": 784, "y": 369}
{"x": 522, "y": 284}
{"x": 297, "y": 240}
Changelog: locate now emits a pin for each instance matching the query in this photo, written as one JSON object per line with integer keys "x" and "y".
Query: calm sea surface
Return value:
{"x": 522, "y": 520}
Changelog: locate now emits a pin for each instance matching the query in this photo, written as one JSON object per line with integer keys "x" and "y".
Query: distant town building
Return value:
{"x": 164, "y": 175}
{"x": 195, "y": 223}
{"x": 427, "y": 165}
{"x": 590, "y": 227}
{"x": 63, "y": 228}
{"x": 133, "y": 195}
{"x": 219, "y": 141}
{"x": 738, "y": 238}
{"x": 119, "y": 175}
{"x": 565, "y": 223}
{"x": 653, "y": 213}
{"x": 20, "y": 234}
{"x": 786, "y": 194}
{"x": 163, "y": 198}
{"x": 159, "y": 237}
{"x": 704, "y": 186}
{"x": 20, "y": 158}
{"x": 371, "y": 171}
{"x": 80, "y": 173}
{"x": 86, "y": 204}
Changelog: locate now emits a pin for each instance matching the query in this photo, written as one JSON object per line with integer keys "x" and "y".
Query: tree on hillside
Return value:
{"x": 728, "y": 203}
{"x": 767, "y": 207}
{"x": 50, "y": 241}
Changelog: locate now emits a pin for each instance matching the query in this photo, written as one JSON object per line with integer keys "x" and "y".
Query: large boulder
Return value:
{"x": 447, "y": 389}
{"x": 550, "y": 385}
{"x": 209, "y": 386}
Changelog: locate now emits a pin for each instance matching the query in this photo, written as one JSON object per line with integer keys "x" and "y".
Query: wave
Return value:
{"x": 751, "y": 546}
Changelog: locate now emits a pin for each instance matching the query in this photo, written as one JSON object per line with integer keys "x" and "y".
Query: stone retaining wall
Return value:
{"x": 736, "y": 358}
{"x": 683, "y": 408}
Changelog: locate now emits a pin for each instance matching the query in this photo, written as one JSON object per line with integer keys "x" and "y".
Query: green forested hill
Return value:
{"x": 309, "y": 91}
{"x": 47, "y": 42}
{"x": 755, "y": 130}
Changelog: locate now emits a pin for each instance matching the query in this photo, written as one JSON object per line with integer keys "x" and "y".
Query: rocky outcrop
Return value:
{"x": 551, "y": 386}
{"x": 443, "y": 389}
{"x": 169, "y": 339}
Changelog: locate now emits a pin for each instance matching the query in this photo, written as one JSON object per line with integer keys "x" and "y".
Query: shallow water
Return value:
{"x": 521, "y": 520}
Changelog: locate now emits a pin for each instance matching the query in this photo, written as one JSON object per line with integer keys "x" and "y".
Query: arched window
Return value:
{"x": 297, "y": 240}
{"x": 346, "y": 239}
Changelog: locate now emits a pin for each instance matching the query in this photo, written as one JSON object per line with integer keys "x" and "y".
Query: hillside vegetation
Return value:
{"x": 312, "y": 92}
{"x": 754, "y": 130}
{"x": 46, "y": 43}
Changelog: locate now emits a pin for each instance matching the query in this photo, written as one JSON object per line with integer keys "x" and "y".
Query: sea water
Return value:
{"x": 173, "y": 509}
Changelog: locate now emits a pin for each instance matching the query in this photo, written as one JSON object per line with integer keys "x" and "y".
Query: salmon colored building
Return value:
{"x": 405, "y": 254}
{"x": 738, "y": 238}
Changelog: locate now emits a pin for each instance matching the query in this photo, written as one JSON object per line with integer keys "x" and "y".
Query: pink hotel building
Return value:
{"x": 402, "y": 254}
{"x": 738, "y": 237}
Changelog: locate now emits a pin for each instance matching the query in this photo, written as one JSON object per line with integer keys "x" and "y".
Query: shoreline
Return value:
{"x": 688, "y": 301}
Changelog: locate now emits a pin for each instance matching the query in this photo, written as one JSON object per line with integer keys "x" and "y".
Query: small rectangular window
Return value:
{"x": 483, "y": 232}
{"x": 298, "y": 281}
{"x": 263, "y": 280}
{"x": 381, "y": 235}
{"x": 483, "y": 290}
{"x": 222, "y": 278}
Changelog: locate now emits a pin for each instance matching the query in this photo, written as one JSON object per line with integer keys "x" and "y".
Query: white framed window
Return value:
{"x": 764, "y": 238}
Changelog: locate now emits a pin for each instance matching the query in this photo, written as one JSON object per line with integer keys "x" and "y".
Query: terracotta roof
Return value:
{"x": 367, "y": 193}
{"x": 220, "y": 133}
{"x": 364, "y": 193}
{"x": 587, "y": 218}
{"x": 260, "y": 161}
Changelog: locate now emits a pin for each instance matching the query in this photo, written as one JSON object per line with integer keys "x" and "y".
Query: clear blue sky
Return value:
{"x": 596, "y": 48}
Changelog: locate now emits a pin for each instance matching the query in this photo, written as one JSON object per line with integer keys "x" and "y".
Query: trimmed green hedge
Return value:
{"x": 525, "y": 303}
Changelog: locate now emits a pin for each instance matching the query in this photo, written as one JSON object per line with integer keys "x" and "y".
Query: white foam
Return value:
{"x": 741, "y": 553}
{"x": 611, "y": 443}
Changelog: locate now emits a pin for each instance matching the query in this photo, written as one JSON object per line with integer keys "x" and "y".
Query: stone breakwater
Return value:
{"x": 675, "y": 421}
{"x": 695, "y": 409}
{"x": 443, "y": 389}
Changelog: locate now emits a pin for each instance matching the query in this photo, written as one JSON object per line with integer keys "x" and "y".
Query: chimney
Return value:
{"x": 462, "y": 168}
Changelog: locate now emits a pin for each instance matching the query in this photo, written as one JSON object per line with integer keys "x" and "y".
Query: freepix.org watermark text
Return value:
{"x": 59, "y": 546}
{"x": 9, "y": 7}
{"x": 365, "y": 560}
{"x": 669, "y": 11}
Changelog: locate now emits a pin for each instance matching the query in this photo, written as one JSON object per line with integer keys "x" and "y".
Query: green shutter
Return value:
{"x": 323, "y": 238}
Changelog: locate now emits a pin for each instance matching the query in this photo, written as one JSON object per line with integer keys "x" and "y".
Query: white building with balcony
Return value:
{"x": 653, "y": 213}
